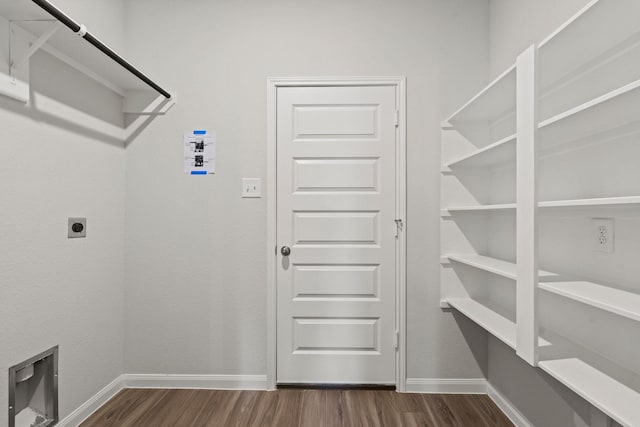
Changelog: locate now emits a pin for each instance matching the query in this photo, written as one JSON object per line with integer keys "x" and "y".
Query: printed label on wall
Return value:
{"x": 199, "y": 152}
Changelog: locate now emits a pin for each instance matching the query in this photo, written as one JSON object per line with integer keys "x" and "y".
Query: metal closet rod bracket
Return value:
{"x": 81, "y": 30}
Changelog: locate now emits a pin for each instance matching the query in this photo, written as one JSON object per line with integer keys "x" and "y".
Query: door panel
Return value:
{"x": 336, "y": 210}
{"x": 335, "y": 335}
{"x": 335, "y": 121}
{"x": 335, "y": 228}
{"x": 335, "y": 281}
{"x": 335, "y": 174}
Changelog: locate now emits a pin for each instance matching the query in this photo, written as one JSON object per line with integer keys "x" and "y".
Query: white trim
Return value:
{"x": 401, "y": 241}
{"x": 208, "y": 382}
{"x": 165, "y": 381}
{"x": 270, "y": 191}
{"x": 508, "y": 408}
{"x": 527, "y": 206}
{"x": 447, "y": 385}
{"x": 93, "y": 404}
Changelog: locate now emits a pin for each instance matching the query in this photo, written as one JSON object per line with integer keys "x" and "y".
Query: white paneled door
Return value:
{"x": 336, "y": 184}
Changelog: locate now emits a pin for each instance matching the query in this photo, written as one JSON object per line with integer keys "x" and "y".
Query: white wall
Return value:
{"x": 58, "y": 158}
{"x": 196, "y": 255}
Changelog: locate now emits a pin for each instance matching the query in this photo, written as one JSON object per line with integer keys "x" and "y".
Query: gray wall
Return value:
{"x": 59, "y": 158}
{"x": 196, "y": 254}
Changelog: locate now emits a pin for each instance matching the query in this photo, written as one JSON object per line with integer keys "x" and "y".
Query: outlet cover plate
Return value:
{"x": 72, "y": 234}
{"x": 603, "y": 234}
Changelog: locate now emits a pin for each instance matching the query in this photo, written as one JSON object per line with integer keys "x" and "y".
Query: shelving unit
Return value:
{"x": 574, "y": 98}
{"x": 34, "y": 29}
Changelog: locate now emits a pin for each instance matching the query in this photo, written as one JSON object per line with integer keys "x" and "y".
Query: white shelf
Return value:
{"x": 499, "y": 152}
{"x": 617, "y": 301}
{"x": 593, "y": 32}
{"x": 622, "y": 303}
{"x": 494, "y": 323}
{"x": 478, "y": 208}
{"x": 493, "y": 265}
{"x": 494, "y": 101}
{"x": 605, "y": 393}
{"x": 603, "y": 201}
{"x": 610, "y": 111}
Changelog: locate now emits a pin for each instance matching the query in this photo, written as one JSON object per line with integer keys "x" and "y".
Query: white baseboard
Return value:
{"x": 508, "y": 408}
{"x": 93, "y": 404}
{"x": 447, "y": 385}
{"x": 213, "y": 382}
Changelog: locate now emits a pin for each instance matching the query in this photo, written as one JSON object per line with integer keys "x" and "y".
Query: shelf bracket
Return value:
{"x": 14, "y": 83}
{"x": 35, "y": 46}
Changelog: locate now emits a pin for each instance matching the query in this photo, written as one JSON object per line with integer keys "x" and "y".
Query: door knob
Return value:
{"x": 285, "y": 250}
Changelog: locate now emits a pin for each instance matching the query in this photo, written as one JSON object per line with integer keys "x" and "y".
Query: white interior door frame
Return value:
{"x": 399, "y": 83}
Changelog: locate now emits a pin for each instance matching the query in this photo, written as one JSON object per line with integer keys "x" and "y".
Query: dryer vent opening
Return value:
{"x": 33, "y": 391}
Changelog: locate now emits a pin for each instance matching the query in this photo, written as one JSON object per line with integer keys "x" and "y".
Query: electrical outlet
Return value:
{"x": 77, "y": 227}
{"x": 603, "y": 232}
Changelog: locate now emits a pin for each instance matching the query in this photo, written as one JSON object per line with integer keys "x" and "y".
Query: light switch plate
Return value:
{"x": 251, "y": 187}
{"x": 82, "y": 232}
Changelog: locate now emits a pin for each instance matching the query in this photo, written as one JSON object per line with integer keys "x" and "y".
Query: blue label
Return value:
{"x": 198, "y": 172}
{"x": 199, "y": 132}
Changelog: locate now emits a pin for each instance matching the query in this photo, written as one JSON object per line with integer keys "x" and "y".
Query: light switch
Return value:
{"x": 251, "y": 187}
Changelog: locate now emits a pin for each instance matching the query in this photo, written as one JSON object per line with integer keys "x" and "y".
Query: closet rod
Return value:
{"x": 82, "y": 31}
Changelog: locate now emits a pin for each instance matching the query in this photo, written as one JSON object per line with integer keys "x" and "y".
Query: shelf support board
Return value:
{"x": 527, "y": 206}
{"x": 35, "y": 46}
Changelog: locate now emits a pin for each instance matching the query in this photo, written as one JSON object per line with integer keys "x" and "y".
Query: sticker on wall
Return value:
{"x": 199, "y": 152}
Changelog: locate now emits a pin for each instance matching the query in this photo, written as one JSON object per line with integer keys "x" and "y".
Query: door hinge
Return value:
{"x": 397, "y": 118}
{"x": 398, "y": 226}
{"x": 396, "y": 339}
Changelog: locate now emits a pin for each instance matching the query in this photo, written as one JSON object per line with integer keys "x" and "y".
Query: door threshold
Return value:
{"x": 314, "y": 386}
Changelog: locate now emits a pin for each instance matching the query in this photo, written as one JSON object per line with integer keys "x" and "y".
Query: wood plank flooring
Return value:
{"x": 291, "y": 408}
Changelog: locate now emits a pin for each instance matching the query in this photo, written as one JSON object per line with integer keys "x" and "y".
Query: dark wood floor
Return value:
{"x": 290, "y": 408}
